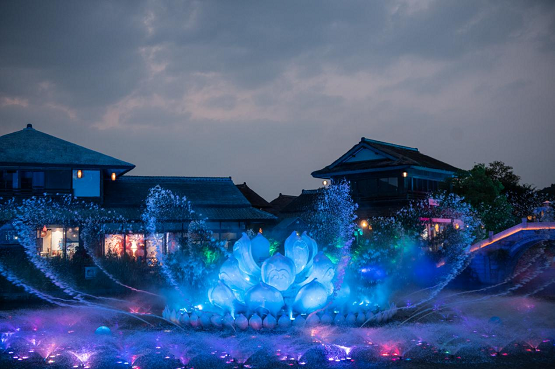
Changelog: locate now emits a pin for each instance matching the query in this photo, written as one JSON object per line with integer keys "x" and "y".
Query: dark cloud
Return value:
{"x": 87, "y": 51}
{"x": 267, "y": 92}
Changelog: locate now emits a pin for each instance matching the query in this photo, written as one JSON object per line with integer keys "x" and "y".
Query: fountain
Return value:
{"x": 253, "y": 306}
{"x": 295, "y": 287}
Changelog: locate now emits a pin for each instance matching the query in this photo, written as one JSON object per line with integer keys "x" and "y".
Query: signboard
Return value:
{"x": 90, "y": 272}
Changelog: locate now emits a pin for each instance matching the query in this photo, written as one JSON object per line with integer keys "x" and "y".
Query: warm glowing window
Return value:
{"x": 135, "y": 245}
{"x": 113, "y": 244}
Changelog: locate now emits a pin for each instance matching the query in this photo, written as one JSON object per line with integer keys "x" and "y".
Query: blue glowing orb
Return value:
{"x": 103, "y": 330}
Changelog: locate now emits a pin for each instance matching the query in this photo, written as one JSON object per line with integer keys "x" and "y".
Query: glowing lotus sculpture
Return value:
{"x": 252, "y": 281}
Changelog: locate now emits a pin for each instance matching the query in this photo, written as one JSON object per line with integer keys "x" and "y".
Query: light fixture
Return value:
{"x": 405, "y": 174}
{"x": 364, "y": 224}
{"x": 133, "y": 247}
{"x": 79, "y": 173}
{"x": 113, "y": 176}
{"x": 325, "y": 182}
{"x": 43, "y": 232}
{"x": 260, "y": 230}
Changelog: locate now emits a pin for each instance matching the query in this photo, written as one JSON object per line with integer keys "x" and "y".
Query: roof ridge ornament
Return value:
{"x": 369, "y": 140}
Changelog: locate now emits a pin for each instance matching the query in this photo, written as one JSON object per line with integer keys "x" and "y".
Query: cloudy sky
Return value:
{"x": 267, "y": 92}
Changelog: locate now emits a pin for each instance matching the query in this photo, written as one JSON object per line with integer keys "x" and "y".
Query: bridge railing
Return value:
{"x": 524, "y": 226}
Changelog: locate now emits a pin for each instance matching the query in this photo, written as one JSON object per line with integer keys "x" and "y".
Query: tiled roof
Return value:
{"x": 306, "y": 201}
{"x": 394, "y": 155}
{"x": 282, "y": 201}
{"x": 31, "y": 147}
{"x": 288, "y": 222}
{"x": 210, "y": 214}
{"x": 255, "y": 199}
{"x": 215, "y": 198}
{"x": 200, "y": 191}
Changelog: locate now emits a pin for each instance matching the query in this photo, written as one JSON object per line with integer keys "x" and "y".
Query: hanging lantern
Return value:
{"x": 113, "y": 176}
{"x": 43, "y": 232}
{"x": 79, "y": 174}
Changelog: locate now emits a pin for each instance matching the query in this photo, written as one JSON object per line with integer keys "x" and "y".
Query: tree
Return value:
{"x": 523, "y": 197}
{"x": 499, "y": 171}
{"x": 548, "y": 192}
{"x": 481, "y": 188}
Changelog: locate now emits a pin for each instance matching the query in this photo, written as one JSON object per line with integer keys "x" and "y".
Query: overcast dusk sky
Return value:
{"x": 267, "y": 92}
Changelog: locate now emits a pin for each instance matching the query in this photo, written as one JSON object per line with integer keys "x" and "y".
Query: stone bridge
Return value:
{"x": 496, "y": 257}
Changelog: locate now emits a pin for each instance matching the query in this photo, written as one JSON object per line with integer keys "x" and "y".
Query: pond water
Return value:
{"x": 472, "y": 329}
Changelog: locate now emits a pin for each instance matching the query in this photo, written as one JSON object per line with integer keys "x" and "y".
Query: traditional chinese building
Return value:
{"x": 33, "y": 163}
{"x": 384, "y": 177}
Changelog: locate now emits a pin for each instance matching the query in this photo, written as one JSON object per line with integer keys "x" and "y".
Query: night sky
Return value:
{"x": 267, "y": 92}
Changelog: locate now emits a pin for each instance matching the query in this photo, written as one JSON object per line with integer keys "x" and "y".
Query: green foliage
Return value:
{"x": 502, "y": 173}
{"x": 395, "y": 244}
{"x": 496, "y": 193}
{"x": 485, "y": 194}
{"x": 523, "y": 197}
{"x": 476, "y": 186}
{"x": 274, "y": 245}
{"x": 382, "y": 245}
{"x": 548, "y": 193}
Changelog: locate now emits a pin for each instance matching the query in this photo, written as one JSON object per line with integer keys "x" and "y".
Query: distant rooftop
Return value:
{"x": 205, "y": 191}
{"x": 30, "y": 147}
{"x": 281, "y": 202}
{"x": 306, "y": 201}
{"x": 376, "y": 155}
{"x": 214, "y": 197}
{"x": 376, "y": 142}
{"x": 255, "y": 199}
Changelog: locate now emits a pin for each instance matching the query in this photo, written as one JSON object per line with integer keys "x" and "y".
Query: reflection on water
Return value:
{"x": 471, "y": 330}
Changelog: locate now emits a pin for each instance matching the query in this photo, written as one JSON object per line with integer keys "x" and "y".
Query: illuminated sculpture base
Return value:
{"x": 207, "y": 320}
{"x": 260, "y": 291}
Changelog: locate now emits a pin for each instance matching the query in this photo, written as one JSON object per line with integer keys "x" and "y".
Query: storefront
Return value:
{"x": 139, "y": 247}
{"x": 58, "y": 241}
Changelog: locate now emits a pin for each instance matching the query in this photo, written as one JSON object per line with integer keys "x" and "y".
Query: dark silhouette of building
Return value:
{"x": 33, "y": 163}
{"x": 385, "y": 176}
{"x": 281, "y": 202}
